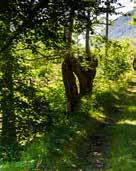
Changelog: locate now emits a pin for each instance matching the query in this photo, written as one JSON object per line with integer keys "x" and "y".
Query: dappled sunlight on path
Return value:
{"x": 122, "y": 153}
{"x": 0, "y": 123}
{"x": 113, "y": 146}
{"x": 129, "y": 114}
{"x": 129, "y": 122}
{"x": 132, "y": 89}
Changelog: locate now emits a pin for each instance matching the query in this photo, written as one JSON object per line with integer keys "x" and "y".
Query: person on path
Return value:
{"x": 134, "y": 64}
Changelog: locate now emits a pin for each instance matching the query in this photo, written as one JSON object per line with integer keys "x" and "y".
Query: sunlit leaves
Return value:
{"x": 117, "y": 61}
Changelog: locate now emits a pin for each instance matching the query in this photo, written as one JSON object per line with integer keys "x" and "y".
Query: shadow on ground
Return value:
{"x": 112, "y": 145}
{"x": 117, "y": 105}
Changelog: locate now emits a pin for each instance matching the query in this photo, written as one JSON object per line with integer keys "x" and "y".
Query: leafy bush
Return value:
{"x": 117, "y": 61}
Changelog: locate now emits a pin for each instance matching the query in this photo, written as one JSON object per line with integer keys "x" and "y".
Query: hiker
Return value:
{"x": 134, "y": 64}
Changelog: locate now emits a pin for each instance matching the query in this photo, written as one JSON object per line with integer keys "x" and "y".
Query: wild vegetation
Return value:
{"x": 56, "y": 95}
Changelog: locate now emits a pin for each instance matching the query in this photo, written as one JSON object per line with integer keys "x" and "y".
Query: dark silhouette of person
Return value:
{"x": 134, "y": 64}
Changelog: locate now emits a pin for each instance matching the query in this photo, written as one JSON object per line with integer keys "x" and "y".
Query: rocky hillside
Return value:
{"x": 121, "y": 28}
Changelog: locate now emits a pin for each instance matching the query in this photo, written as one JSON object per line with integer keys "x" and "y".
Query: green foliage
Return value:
{"x": 58, "y": 150}
{"x": 118, "y": 60}
{"x": 49, "y": 140}
{"x": 23, "y": 104}
{"x": 32, "y": 45}
{"x": 122, "y": 155}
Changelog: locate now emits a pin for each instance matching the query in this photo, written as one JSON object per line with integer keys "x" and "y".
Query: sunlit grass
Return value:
{"x": 17, "y": 166}
{"x": 129, "y": 122}
{"x": 122, "y": 154}
{"x": 0, "y": 123}
{"x": 98, "y": 115}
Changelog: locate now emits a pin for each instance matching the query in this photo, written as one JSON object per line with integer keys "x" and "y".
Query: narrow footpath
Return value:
{"x": 113, "y": 145}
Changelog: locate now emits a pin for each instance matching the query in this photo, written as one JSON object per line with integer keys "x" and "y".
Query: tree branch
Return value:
{"x": 26, "y": 24}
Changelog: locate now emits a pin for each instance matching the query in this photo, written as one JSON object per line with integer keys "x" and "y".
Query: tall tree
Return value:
{"x": 52, "y": 22}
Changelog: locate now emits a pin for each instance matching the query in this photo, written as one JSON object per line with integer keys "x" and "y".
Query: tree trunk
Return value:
{"x": 87, "y": 38}
{"x": 8, "y": 135}
{"x": 69, "y": 81}
{"x": 72, "y": 69}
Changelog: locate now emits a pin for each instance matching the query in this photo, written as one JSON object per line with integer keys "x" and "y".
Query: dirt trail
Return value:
{"x": 0, "y": 124}
{"x": 105, "y": 137}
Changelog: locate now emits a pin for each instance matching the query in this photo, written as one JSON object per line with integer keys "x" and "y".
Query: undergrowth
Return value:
{"x": 65, "y": 146}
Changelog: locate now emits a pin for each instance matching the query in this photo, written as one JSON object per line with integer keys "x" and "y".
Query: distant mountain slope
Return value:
{"x": 121, "y": 28}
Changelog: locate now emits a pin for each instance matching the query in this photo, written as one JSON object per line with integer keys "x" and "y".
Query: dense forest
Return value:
{"x": 66, "y": 103}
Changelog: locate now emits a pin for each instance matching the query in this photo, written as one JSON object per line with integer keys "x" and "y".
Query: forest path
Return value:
{"x": 0, "y": 123}
{"x": 113, "y": 145}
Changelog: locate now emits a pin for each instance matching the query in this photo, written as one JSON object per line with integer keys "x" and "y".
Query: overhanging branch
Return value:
{"x": 27, "y": 23}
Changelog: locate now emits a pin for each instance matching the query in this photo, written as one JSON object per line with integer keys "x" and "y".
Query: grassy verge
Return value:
{"x": 67, "y": 146}
{"x": 64, "y": 148}
{"x": 122, "y": 156}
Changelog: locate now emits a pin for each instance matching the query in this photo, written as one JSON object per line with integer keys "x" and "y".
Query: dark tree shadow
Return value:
{"x": 116, "y": 105}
